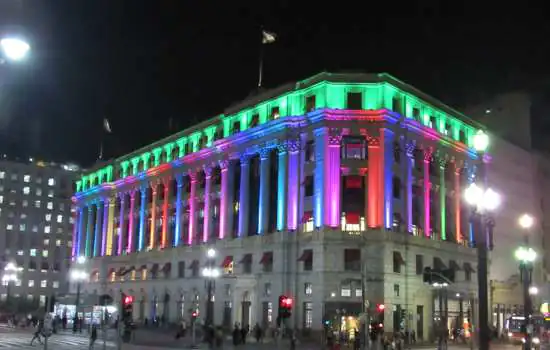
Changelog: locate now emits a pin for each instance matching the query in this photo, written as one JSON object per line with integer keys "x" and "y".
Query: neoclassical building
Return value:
{"x": 304, "y": 190}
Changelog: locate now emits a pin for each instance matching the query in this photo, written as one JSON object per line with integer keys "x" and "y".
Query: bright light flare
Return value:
{"x": 14, "y": 49}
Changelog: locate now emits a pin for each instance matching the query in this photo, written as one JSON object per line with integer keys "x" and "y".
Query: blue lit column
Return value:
{"x": 142, "y": 218}
{"x": 293, "y": 183}
{"x": 243, "y": 200}
{"x": 387, "y": 136}
{"x": 179, "y": 217}
{"x": 263, "y": 210}
{"x": 282, "y": 181}
{"x": 89, "y": 250}
{"x": 319, "y": 177}
{"x": 207, "y": 225}
{"x": 98, "y": 228}
{"x": 226, "y": 199}
{"x": 81, "y": 234}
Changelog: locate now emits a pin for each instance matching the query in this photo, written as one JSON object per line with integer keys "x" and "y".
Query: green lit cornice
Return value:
{"x": 331, "y": 91}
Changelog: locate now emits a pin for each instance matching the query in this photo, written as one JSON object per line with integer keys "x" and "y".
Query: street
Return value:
{"x": 20, "y": 339}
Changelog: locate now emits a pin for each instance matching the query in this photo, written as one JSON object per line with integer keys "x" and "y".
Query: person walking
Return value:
{"x": 38, "y": 332}
{"x": 93, "y": 336}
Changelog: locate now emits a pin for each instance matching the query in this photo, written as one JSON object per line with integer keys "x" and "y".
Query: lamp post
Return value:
{"x": 8, "y": 278}
{"x": 483, "y": 200}
{"x": 78, "y": 275}
{"x": 13, "y": 49}
{"x": 210, "y": 273}
{"x": 526, "y": 256}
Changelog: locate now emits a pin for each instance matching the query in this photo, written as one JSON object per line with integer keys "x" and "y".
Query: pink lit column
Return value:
{"x": 226, "y": 199}
{"x": 121, "y": 224}
{"x": 207, "y": 204}
{"x": 131, "y": 222}
{"x": 333, "y": 180}
{"x": 293, "y": 183}
{"x": 426, "y": 187}
{"x": 457, "y": 195}
{"x": 192, "y": 208}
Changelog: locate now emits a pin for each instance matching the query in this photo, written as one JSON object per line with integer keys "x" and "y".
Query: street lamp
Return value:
{"x": 483, "y": 201}
{"x": 14, "y": 49}
{"x": 78, "y": 275}
{"x": 10, "y": 277}
{"x": 210, "y": 273}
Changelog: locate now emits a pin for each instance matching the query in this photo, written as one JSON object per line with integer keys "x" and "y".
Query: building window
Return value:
{"x": 181, "y": 269}
{"x": 27, "y": 178}
{"x": 354, "y": 148}
{"x": 49, "y": 205}
{"x": 358, "y": 292}
{"x": 2, "y": 174}
{"x": 45, "y": 253}
{"x": 59, "y": 219}
{"x": 397, "y": 262}
{"x": 352, "y": 259}
{"x": 13, "y": 177}
{"x": 1, "y": 199}
{"x": 267, "y": 262}
{"x": 396, "y": 290}
{"x": 47, "y": 229}
{"x": 308, "y": 288}
{"x": 396, "y": 185}
{"x": 352, "y": 222}
{"x": 275, "y": 113}
{"x": 33, "y": 252}
{"x": 310, "y": 151}
{"x": 22, "y": 227}
{"x": 247, "y": 263}
{"x": 38, "y": 191}
{"x": 50, "y": 194}
{"x": 308, "y": 186}
{"x": 43, "y": 283}
{"x": 48, "y": 217}
{"x": 310, "y": 103}
{"x": 37, "y": 204}
{"x": 308, "y": 315}
{"x": 419, "y": 264}
{"x": 308, "y": 221}
{"x": 31, "y": 283}
{"x": 25, "y": 203}
{"x": 307, "y": 259}
{"x": 51, "y": 181}
{"x": 345, "y": 291}
{"x": 267, "y": 289}
{"x": 355, "y": 100}
{"x": 26, "y": 190}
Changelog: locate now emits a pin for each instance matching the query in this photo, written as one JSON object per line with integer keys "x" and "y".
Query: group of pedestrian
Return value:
{"x": 240, "y": 333}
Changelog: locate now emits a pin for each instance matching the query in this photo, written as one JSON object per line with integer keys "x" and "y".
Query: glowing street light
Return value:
{"x": 481, "y": 141}
{"x": 482, "y": 199}
{"x": 526, "y": 221}
{"x": 533, "y": 290}
{"x": 525, "y": 255}
{"x": 14, "y": 49}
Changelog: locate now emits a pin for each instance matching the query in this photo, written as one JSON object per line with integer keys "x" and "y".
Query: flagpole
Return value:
{"x": 261, "y": 65}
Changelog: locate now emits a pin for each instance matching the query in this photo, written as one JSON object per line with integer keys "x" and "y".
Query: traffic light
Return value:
{"x": 194, "y": 315}
{"x": 127, "y": 307}
{"x": 380, "y": 307}
{"x": 285, "y": 307}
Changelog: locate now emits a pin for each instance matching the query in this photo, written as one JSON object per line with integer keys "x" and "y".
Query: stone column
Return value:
{"x": 375, "y": 200}
{"x": 282, "y": 181}
{"x": 179, "y": 217}
{"x": 226, "y": 199}
{"x": 142, "y": 217}
{"x": 457, "y": 196}
{"x": 333, "y": 178}
{"x": 153, "y": 229}
{"x": 426, "y": 190}
{"x": 407, "y": 162}
{"x": 122, "y": 225}
{"x": 192, "y": 208}
{"x": 442, "y": 199}
{"x": 165, "y": 239}
{"x": 131, "y": 247}
{"x": 105, "y": 227}
{"x": 98, "y": 228}
{"x": 263, "y": 209}
{"x": 293, "y": 183}
{"x": 207, "y": 226}
{"x": 79, "y": 247}
{"x": 386, "y": 136}
{"x": 110, "y": 226}
{"x": 243, "y": 200}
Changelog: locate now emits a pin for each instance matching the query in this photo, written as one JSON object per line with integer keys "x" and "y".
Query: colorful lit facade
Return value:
{"x": 301, "y": 190}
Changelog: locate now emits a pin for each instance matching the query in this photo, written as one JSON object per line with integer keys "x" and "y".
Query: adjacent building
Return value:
{"x": 307, "y": 190}
{"x": 36, "y": 227}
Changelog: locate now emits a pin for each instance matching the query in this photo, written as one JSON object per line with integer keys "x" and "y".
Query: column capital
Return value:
{"x": 133, "y": 195}
{"x": 293, "y": 145}
{"x": 282, "y": 147}
{"x": 409, "y": 148}
{"x": 207, "y": 171}
{"x": 373, "y": 141}
{"x": 245, "y": 159}
{"x": 428, "y": 154}
{"x": 224, "y": 164}
{"x": 193, "y": 175}
{"x": 264, "y": 153}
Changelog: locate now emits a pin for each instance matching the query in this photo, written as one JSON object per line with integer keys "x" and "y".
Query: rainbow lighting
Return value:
{"x": 318, "y": 138}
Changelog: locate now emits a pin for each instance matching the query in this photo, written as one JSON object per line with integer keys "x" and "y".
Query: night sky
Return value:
{"x": 140, "y": 63}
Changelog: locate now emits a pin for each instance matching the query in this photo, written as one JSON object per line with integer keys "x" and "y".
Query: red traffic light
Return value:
{"x": 288, "y": 302}
{"x": 380, "y": 307}
{"x": 128, "y": 299}
{"x": 285, "y": 301}
{"x": 194, "y": 314}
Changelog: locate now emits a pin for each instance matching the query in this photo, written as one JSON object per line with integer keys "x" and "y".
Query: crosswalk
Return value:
{"x": 55, "y": 342}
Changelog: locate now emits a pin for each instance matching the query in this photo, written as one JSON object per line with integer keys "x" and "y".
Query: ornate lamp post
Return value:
{"x": 210, "y": 273}
{"x": 526, "y": 256}
{"x": 78, "y": 275}
{"x": 483, "y": 201}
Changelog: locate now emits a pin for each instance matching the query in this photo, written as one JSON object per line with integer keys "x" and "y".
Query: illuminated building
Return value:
{"x": 36, "y": 228}
{"x": 297, "y": 188}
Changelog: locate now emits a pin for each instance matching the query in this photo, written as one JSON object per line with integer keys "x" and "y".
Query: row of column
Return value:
{"x": 290, "y": 176}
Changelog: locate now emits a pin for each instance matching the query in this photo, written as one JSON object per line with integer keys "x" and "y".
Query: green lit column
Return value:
{"x": 90, "y": 230}
{"x": 442, "y": 199}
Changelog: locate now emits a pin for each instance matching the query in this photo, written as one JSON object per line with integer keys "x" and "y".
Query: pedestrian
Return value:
{"x": 258, "y": 333}
{"x": 236, "y": 334}
{"x": 93, "y": 336}
{"x": 244, "y": 333}
{"x": 38, "y": 332}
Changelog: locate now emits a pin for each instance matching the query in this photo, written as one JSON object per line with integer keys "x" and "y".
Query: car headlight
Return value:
{"x": 523, "y": 340}
{"x": 536, "y": 340}
{"x": 510, "y": 334}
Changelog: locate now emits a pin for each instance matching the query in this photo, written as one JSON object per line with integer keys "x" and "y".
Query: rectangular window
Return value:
{"x": 397, "y": 262}
{"x": 419, "y": 264}
{"x": 396, "y": 187}
{"x": 354, "y": 148}
{"x": 355, "y": 101}
{"x": 308, "y": 315}
{"x": 275, "y": 113}
{"x": 309, "y": 186}
{"x": 310, "y": 151}
{"x": 310, "y": 103}
{"x": 346, "y": 290}
{"x": 396, "y": 290}
{"x": 352, "y": 259}
{"x": 267, "y": 289}
{"x": 308, "y": 288}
